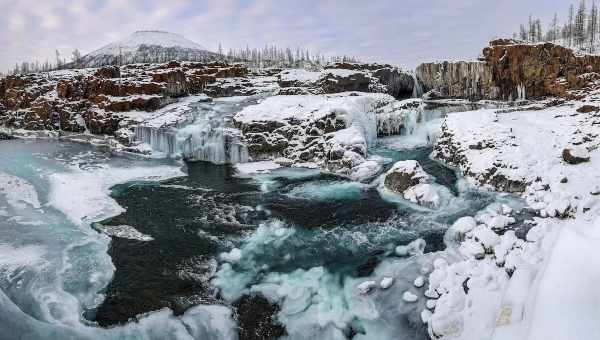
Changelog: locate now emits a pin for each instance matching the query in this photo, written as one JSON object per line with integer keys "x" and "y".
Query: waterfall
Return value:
{"x": 162, "y": 140}
{"x": 219, "y": 146}
{"x": 417, "y": 88}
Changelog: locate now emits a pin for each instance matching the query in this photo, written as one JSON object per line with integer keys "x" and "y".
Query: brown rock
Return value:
{"x": 573, "y": 156}
{"x": 588, "y": 109}
{"x": 108, "y": 72}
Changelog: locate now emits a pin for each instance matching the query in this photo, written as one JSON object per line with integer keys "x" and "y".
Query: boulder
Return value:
{"x": 108, "y": 72}
{"x": 575, "y": 155}
{"x": 404, "y": 175}
{"x": 588, "y": 109}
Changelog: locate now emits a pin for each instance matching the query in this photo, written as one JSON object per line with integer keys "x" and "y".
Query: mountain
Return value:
{"x": 147, "y": 46}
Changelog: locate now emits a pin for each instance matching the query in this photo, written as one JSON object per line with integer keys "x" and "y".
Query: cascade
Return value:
{"x": 219, "y": 145}
{"x": 205, "y": 136}
{"x": 161, "y": 140}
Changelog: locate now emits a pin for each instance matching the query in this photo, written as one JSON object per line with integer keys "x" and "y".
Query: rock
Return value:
{"x": 462, "y": 79}
{"x": 108, "y": 72}
{"x": 575, "y": 155}
{"x": 512, "y": 70}
{"x": 588, "y": 109}
{"x": 403, "y": 175}
{"x": 366, "y": 287}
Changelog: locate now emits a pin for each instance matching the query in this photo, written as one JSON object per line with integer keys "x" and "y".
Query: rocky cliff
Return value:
{"x": 343, "y": 77}
{"x": 511, "y": 70}
{"x": 101, "y": 100}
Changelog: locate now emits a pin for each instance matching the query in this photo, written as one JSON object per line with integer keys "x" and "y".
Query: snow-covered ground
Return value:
{"x": 542, "y": 286}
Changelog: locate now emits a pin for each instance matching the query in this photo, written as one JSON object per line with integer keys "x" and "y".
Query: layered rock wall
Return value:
{"x": 461, "y": 79}
{"x": 510, "y": 70}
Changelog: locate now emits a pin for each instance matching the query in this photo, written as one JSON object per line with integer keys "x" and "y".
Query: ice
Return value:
{"x": 325, "y": 191}
{"x": 418, "y": 88}
{"x": 408, "y": 296}
{"x": 123, "y": 231}
{"x": 367, "y": 286}
{"x": 419, "y": 281}
{"x": 233, "y": 256}
{"x": 196, "y": 129}
{"x": 416, "y": 247}
{"x": 19, "y": 193}
{"x": 51, "y": 272}
{"x": 252, "y": 168}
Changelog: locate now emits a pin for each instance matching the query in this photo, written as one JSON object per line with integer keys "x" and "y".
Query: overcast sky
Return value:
{"x": 403, "y": 32}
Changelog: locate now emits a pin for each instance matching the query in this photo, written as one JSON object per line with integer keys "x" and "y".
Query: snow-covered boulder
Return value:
{"x": 575, "y": 154}
{"x": 404, "y": 175}
{"x": 407, "y": 178}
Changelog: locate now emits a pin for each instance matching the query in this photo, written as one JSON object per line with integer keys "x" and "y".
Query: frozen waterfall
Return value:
{"x": 417, "y": 88}
{"x": 206, "y": 135}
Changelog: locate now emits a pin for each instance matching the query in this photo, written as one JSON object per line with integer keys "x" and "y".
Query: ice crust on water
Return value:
{"x": 47, "y": 279}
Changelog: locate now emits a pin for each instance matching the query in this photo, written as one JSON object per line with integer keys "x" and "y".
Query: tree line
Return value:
{"x": 274, "y": 56}
{"x": 256, "y": 58}
{"x": 578, "y": 29}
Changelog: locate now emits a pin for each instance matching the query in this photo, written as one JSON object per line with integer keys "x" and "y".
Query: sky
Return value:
{"x": 400, "y": 32}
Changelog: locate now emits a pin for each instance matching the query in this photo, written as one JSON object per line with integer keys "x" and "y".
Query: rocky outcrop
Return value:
{"x": 510, "y": 70}
{"x": 344, "y": 77}
{"x": 76, "y": 100}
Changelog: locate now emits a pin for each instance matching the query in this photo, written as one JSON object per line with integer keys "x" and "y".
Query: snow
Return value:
{"x": 299, "y": 76}
{"x": 83, "y": 196}
{"x": 366, "y": 287}
{"x": 352, "y": 105}
{"x": 386, "y": 282}
{"x": 416, "y": 247}
{"x": 252, "y": 168}
{"x": 550, "y": 293}
{"x": 132, "y": 43}
{"x": 409, "y": 297}
{"x": 419, "y": 281}
{"x": 566, "y": 302}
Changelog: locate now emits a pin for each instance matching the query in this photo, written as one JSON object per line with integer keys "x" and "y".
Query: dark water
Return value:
{"x": 195, "y": 218}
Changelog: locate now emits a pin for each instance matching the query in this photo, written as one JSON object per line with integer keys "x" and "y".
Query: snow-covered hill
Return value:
{"x": 147, "y": 46}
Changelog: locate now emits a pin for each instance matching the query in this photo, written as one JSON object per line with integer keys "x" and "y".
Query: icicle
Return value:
{"x": 521, "y": 92}
{"x": 417, "y": 88}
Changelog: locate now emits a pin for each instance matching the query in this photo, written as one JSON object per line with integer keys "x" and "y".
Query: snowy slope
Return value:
{"x": 147, "y": 46}
{"x": 133, "y": 43}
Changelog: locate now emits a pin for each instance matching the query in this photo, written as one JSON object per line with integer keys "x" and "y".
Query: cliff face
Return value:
{"x": 539, "y": 70}
{"x": 510, "y": 70}
{"x": 461, "y": 79}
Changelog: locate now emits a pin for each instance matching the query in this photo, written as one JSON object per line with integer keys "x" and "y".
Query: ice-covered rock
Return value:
{"x": 386, "y": 282}
{"x": 419, "y": 281}
{"x": 366, "y": 287}
{"x": 408, "y": 296}
{"x": 416, "y": 247}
